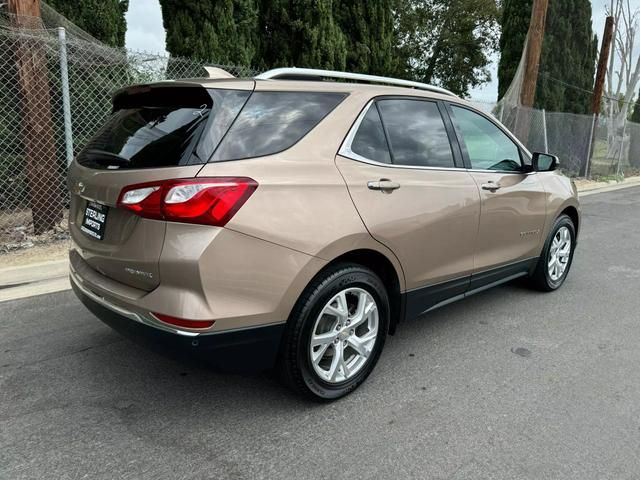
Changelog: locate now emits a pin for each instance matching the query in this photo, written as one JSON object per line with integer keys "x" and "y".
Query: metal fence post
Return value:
{"x": 66, "y": 102}
{"x": 544, "y": 128}
{"x": 590, "y": 146}
{"x": 624, "y": 133}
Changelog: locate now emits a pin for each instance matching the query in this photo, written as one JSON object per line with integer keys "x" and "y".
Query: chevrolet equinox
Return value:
{"x": 294, "y": 219}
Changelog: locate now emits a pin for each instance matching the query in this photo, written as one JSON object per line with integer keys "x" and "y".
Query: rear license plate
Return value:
{"x": 94, "y": 220}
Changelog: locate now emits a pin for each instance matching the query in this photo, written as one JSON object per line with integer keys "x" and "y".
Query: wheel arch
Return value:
{"x": 389, "y": 272}
{"x": 385, "y": 269}
{"x": 572, "y": 212}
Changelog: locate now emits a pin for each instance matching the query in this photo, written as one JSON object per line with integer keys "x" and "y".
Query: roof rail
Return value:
{"x": 315, "y": 74}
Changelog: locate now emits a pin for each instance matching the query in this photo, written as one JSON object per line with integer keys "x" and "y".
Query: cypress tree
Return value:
{"x": 261, "y": 33}
{"x": 301, "y": 33}
{"x": 568, "y": 55}
{"x": 515, "y": 23}
{"x": 369, "y": 31}
{"x": 221, "y": 31}
{"x": 103, "y": 19}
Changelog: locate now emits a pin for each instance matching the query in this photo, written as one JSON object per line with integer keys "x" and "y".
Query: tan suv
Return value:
{"x": 293, "y": 221}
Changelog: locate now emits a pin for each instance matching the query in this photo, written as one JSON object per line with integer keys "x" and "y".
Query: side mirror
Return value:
{"x": 544, "y": 162}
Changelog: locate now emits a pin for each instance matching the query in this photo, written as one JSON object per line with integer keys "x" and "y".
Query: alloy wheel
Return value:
{"x": 344, "y": 335}
{"x": 559, "y": 254}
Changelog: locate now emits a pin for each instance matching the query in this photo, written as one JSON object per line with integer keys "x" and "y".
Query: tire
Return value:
{"x": 543, "y": 277}
{"x": 319, "y": 313}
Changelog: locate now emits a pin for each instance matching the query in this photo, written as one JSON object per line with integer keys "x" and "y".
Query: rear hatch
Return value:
{"x": 156, "y": 132}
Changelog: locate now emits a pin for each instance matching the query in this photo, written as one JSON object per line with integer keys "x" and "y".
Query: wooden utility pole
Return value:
{"x": 35, "y": 117}
{"x": 602, "y": 65}
{"x": 534, "y": 48}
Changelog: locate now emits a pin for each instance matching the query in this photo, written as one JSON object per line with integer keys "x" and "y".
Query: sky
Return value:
{"x": 144, "y": 27}
{"x": 145, "y": 32}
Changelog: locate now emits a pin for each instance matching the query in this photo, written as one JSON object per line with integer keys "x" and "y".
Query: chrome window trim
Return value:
{"x": 345, "y": 148}
{"x": 391, "y": 165}
{"x": 479, "y": 170}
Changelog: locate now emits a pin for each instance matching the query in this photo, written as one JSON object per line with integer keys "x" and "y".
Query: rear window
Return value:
{"x": 271, "y": 122}
{"x": 161, "y": 127}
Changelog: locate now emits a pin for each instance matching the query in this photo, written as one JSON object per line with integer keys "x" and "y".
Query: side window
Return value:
{"x": 417, "y": 135}
{"x": 487, "y": 146}
{"x": 271, "y": 122}
{"x": 370, "y": 141}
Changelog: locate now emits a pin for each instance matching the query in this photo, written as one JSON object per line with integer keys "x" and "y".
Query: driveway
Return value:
{"x": 508, "y": 384}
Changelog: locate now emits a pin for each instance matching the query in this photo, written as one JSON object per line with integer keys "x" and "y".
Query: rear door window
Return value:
{"x": 271, "y": 122}
{"x": 161, "y": 126}
{"x": 416, "y": 133}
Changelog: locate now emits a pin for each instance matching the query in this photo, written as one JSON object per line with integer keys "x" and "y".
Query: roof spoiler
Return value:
{"x": 217, "y": 73}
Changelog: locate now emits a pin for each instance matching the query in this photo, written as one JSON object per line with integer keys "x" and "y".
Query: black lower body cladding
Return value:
{"x": 238, "y": 351}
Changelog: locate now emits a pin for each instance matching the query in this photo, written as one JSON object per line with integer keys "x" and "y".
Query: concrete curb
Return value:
{"x": 35, "y": 279}
{"x": 609, "y": 188}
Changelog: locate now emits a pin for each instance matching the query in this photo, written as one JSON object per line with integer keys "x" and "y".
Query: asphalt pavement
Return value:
{"x": 509, "y": 384}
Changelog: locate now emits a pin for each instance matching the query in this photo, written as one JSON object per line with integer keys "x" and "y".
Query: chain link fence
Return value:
{"x": 588, "y": 146}
{"x": 55, "y": 92}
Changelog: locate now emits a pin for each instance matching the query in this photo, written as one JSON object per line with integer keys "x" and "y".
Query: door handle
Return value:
{"x": 384, "y": 185}
{"x": 491, "y": 186}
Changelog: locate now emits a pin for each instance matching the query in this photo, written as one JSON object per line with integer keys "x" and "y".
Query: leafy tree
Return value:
{"x": 222, "y": 31}
{"x": 301, "y": 33}
{"x": 447, "y": 42}
{"x": 369, "y": 32}
{"x": 567, "y": 61}
{"x": 103, "y": 19}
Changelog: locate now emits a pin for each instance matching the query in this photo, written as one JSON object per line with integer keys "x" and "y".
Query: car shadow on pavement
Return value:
{"x": 127, "y": 372}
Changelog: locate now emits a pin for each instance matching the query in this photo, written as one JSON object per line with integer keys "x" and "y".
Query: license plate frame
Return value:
{"x": 94, "y": 220}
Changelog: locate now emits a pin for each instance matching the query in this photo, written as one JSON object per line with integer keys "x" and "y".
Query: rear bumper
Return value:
{"x": 242, "y": 350}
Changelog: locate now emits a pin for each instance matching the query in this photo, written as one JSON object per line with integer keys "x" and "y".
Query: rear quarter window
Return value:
{"x": 370, "y": 142}
{"x": 271, "y": 122}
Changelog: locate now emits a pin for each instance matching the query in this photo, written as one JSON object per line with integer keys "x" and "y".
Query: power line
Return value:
{"x": 584, "y": 90}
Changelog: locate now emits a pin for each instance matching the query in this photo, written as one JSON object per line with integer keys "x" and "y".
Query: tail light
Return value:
{"x": 208, "y": 201}
{"x": 181, "y": 322}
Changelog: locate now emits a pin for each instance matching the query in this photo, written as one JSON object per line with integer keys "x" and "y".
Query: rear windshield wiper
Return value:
{"x": 107, "y": 158}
